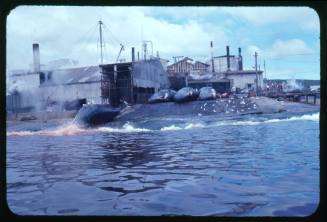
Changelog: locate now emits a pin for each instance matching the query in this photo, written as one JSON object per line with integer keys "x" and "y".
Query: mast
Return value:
{"x": 101, "y": 45}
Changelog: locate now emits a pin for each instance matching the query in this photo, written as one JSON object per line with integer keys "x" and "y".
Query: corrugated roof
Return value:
{"x": 74, "y": 75}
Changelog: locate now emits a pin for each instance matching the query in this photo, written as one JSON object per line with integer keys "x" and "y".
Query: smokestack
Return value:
{"x": 228, "y": 61}
{"x": 240, "y": 60}
{"x": 213, "y": 65}
{"x": 138, "y": 56}
{"x": 133, "y": 54}
{"x": 36, "y": 57}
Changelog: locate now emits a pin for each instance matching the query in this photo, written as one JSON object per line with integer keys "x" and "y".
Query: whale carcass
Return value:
{"x": 95, "y": 114}
{"x": 186, "y": 94}
{"x": 207, "y": 93}
{"x": 164, "y": 95}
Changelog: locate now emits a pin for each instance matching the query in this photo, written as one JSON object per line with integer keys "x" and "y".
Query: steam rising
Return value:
{"x": 291, "y": 85}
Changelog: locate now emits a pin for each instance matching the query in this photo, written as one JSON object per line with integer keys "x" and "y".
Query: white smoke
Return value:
{"x": 291, "y": 85}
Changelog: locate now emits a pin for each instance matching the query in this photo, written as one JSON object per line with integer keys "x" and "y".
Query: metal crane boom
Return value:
{"x": 121, "y": 49}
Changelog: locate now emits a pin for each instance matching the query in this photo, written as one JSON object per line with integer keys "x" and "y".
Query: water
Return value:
{"x": 259, "y": 165}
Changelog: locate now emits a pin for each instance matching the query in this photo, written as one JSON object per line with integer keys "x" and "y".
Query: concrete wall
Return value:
{"x": 150, "y": 74}
{"x": 242, "y": 80}
{"x": 220, "y": 64}
{"x": 90, "y": 91}
{"x": 23, "y": 82}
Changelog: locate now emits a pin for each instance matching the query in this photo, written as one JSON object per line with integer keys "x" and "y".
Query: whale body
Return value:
{"x": 186, "y": 94}
{"x": 95, "y": 114}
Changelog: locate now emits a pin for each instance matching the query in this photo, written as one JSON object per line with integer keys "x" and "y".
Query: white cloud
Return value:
{"x": 304, "y": 17}
{"x": 72, "y": 32}
{"x": 282, "y": 48}
{"x": 251, "y": 49}
{"x": 62, "y": 32}
{"x": 288, "y": 47}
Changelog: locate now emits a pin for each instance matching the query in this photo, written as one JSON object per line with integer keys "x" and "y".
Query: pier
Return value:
{"x": 296, "y": 96}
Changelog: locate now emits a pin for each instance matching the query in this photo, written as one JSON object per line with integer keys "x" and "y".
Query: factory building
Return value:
{"x": 231, "y": 67}
{"x": 222, "y": 73}
{"x": 132, "y": 82}
{"x": 51, "y": 88}
{"x": 187, "y": 66}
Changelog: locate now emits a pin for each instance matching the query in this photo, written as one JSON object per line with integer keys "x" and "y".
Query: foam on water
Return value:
{"x": 126, "y": 128}
{"x": 172, "y": 127}
{"x": 67, "y": 130}
{"x": 307, "y": 117}
{"x": 72, "y": 129}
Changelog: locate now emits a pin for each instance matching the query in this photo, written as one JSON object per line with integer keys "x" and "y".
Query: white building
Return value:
{"x": 245, "y": 79}
{"x": 39, "y": 90}
{"x": 231, "y": 67}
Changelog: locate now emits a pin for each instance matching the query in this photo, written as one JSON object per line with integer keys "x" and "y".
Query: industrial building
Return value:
{"x": 132, "y": 82}
{"x": 49, "y": 89}
{"x": 221, "y": 72}
{"x": 187, "y": 66}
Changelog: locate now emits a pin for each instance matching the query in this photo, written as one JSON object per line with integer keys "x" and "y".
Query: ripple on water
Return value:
{"x": 208, "y": 167}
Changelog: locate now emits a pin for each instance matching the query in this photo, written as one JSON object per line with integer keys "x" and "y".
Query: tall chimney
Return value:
{"x": 133, "y": 54}
{"x": 228, "y": 59}
{"x": 240, "y": 60}
{"x": 212, "y": 62}
{"x": 36, "y": 57}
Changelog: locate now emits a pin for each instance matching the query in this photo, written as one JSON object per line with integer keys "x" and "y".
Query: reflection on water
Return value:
{"x": 196, "y": 166}
{"x": 129, "y": 153}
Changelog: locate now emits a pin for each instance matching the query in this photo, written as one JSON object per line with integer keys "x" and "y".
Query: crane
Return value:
{"x": 121, "y": 49}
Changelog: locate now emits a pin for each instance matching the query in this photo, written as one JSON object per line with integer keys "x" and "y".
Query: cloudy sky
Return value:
{"x": 286, "y": 38}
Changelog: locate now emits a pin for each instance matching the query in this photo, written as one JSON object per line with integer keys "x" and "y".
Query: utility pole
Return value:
{"x": 264, "y": 69}
{"x": 256, "y": 73}
{"x": 101, "y": 45}
{"x": 213, "y": 65}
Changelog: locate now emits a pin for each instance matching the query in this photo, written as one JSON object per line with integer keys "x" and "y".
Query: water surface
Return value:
{"x": 252, "y": 165}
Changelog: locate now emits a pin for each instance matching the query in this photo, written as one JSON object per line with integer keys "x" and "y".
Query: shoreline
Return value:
{"x": 265, "y": 105}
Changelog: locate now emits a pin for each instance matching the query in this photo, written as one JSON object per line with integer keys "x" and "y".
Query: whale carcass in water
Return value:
{"x": 90, "y": 115}
{"x": 164, "y": 95}
{"x": 207, "y": 93}
{"x": 186, "y": 94}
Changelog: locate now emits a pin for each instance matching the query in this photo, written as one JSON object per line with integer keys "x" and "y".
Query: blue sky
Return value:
{"x": 286, "y": 38}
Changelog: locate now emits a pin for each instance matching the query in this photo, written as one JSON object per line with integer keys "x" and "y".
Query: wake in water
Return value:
{"x": 72, "y": 129}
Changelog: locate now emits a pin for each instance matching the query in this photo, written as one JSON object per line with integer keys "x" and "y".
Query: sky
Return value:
{"x": 287, "y": 39}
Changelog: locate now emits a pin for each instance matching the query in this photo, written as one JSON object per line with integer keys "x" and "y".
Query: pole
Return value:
{"x": 100, "y": 30}
{"x": 256, "y": 73}
{"x": 264, "y": 68}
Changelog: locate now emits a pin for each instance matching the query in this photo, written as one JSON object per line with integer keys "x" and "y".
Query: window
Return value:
{"x": 42, "y": 77}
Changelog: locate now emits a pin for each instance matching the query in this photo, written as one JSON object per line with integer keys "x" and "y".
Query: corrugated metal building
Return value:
{"x": 187, "y": 66}
{"x": 133, "y": 82}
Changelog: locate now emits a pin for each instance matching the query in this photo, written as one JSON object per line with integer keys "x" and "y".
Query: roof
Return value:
{"x": 188, "y": 60}
{"x": 238, "y": 72}
{"x": 74, "y": 75}
{"x": 223, "y": 56}
{"x": 202, "y": 63}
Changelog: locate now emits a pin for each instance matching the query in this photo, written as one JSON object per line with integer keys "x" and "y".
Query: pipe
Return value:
{"x": 133, "y": 54}
{"x": 36, "y": 57}
{"x": 240, "y": 61}
{"x": 228, "y": 59}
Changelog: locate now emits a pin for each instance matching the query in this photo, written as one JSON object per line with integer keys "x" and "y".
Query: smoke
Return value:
{"x": 291, "y": 85}
{"x": 27, "y": 86}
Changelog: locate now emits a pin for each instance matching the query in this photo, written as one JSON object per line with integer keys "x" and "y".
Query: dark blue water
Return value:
{"x": 261, "y": 165}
